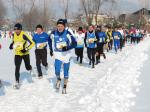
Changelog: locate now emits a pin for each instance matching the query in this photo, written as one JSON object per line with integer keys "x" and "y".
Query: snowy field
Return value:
{"x": 111, "y": 87}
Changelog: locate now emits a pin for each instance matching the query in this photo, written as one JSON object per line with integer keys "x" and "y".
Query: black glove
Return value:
{"x": 85, "y": 45}
{"x": 64, "y": 48}
{"x": 24, "y": 50}
{"x": 11, "y": 46}
{"x": 95, "y": 41}
{"x": 51, "y": 53}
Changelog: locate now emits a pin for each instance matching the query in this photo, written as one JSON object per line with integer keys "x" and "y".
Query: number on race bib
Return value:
{"x": 91, "y": 40}
{"x": 41, "y": 45}
{"x": 18, "y": 45}
{"x": 60, "y": 45}
{"x": 100, "y": 40}
{"x": 116, "y": 37}
{"x": 80, "y": 42}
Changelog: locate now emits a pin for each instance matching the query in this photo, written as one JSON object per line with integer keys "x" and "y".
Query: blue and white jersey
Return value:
{"x": 41, "y": 40}
{"x": 60, "y": 40}
{"x": 116, "y": 35}
{"x": 80, "y": 40}
{"x": 138, "y": 33}
{"x": 90, "y": 40}
{"x": 63, "y": 39}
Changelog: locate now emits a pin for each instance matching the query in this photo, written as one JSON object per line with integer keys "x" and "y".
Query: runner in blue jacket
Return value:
{"x": 116, "y": 36}
{"x": 41, "y": 40}
{"x": 101, "y": 40}
{"x": 63, "y": 42}
{"x": 90, "y": 43}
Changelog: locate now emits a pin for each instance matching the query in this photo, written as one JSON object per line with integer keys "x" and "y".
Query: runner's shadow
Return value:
{"x": 4, "y": 85}
{"x": 53, "y": 82}
{"x": 44, "y": 71}
{"x": 85, "y": 62}
{"x": 25, "y": 76}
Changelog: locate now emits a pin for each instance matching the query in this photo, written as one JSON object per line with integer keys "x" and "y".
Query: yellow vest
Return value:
{"x": 20, "y": 43}
{"x": 110, "y": 35}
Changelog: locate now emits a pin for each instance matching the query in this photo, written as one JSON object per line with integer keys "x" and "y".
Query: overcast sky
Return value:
{"x": 123, "y": 6}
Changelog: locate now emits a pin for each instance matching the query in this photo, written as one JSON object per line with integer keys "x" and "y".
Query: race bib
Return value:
{"x": 60, "y": 45}
{"x": 116, "y": 37}
{"x": 100, "y": 40}
{"x": 80, "y": 42}
{"x": 91, "y": 40}
{"x": 18, "y": 45}
{"x": 41, "y": 45}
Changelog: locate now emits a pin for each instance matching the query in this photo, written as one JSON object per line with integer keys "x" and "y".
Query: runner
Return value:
{"x": 63, "y": 43}
{"x": 90, "y": 43}
{"x": 80, "y": 44}
{"x": 41, "y": 40}
{"x": 21, "y": 44}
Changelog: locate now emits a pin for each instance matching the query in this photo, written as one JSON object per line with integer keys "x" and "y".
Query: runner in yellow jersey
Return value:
{"x": 110, "y": 38}
{"x": 21, "y": 45}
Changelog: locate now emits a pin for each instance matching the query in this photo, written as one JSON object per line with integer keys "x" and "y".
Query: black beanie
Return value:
{"x": 61, "y": 21}
{"x": 18, "y": 26}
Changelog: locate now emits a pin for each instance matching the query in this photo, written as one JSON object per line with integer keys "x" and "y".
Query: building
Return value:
{"x": 141, "y": 16}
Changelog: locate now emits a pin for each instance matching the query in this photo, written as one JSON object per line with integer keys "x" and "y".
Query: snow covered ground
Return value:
{"x": 142, "y": 101}
{"x": 110, "y": 87}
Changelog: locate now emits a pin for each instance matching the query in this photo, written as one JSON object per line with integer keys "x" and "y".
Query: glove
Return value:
{"x": 85, "y": 45}
{"x": 64, "y": 48}
{"x": 24, "y": 50}
{"x": 51, "y": 53}
{"x": 11, "y": 46}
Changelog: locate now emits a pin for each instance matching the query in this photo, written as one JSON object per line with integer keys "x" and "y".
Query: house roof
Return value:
{"x": 143, "y": 10}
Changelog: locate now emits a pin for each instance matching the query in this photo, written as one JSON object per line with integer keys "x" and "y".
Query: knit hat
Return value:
{"x": 61, "y": 21}
{"x": 18, "y": 26}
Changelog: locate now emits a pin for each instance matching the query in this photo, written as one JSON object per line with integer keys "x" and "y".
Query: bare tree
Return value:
{"x": 46, "y": 13}
{"x": 31, "y": 14}
{"x": 2, "y": 13}
{"x": 65, "y": 7}
{"x": 19, "y": 8}
{"x": 91, "y": 8}
{"x": 144, "y": 3}
{"x": 30, "y": 21}
{"x": 113, "y": 4}
{"x": 2, "y": 9}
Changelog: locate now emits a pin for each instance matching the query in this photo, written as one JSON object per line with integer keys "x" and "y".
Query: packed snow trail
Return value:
{"x": 114, "y": 92}
{"x": 107, "y": 88}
